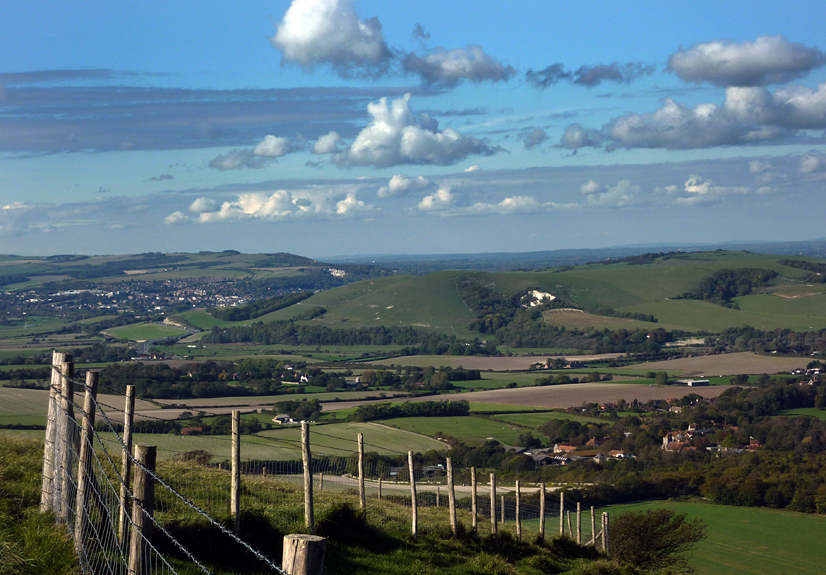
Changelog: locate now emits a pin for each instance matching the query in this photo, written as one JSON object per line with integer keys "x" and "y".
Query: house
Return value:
{"x": 283, "y": 419}
{"x": 619, "y": 454}
{"x": 564, "y": 448}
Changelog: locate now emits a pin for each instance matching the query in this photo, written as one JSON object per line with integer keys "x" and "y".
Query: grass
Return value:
{"x": 472, "y": 429}
{"x": 751, "y": 541}
{"x": 537, "y": 419}
{"x": 144, "y": 331}
{"x": 808, "y": 411}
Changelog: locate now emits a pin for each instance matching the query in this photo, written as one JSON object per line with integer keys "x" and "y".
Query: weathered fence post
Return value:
{"x": 413, "y": 503}
{"x": 49, "y": 461}
{"x": 143, "y": 508}
{"x": 593, "y": 527}
{"x": 502, "y": 506}
{"x": 562, "y": 513}
{"x": 493, "y": 504}
{"x": 473, "y": 503}
{"x": 451, "y": 496}
{"x": 84, "y": 469}
{"x": 309, "y": 515}
{"x": 438, "y": 497}
{"x": 578, "y": 523}
{"x": 570, "y": 527}
{"x": 362, "y": 495}
{"x": 606, "y": 543}
{"x": 66, "y": 435}
{"x": 321, "y": 481}
{"x": 126, "y": 463}
{"x": 379, "y": 488}
{"x": 303, "y": 554}
{"x": 235, "y": 481}
{"x": 542, "y": 511}
{"x": 518, "y": 512}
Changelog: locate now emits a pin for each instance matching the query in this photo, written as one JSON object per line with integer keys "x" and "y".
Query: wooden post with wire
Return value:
{"x": 126, "y": 463}
{"x": 438, "y": 497}
{"x": 451, "y": 496}
{"x": 303, "y": 554}
{"x": 84, "y": 470}
{"x": 379, "y": 488}
{"x": 309, "y": 514}
{"x": 561, "y": 513}
{"x": 362, "y": 494}
{"x": 493, "y": 504}
{"x": 578, "y": 523}
{"x": 502, "y": 507}
{"x": 541, "y": 511}
{"x": 65, "y": 441}
{"x": 518, "y": 512}
{"x": 474, "y": 511}
{"x": 606, "y": 542}
{"x": 49, "y": 461}
{"x": 413, "y": 503}
{"x": 143, "y": 508}
{"x": 235, "y": 481}
{"x": 593, "y": 527}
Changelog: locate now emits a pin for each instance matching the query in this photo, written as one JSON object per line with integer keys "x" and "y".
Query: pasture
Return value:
{"x": 144, "y": 331}
{"x": 806, "y": 411}
{"x": 750, "y": 541}
{"x": 29, "y": 406}
{"x": 537, "y": 419}
{"x": 471, "y": 429}
{"x": 722, "y": 364}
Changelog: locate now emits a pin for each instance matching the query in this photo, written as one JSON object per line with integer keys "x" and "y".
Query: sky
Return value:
{"x": 351, "y": 127}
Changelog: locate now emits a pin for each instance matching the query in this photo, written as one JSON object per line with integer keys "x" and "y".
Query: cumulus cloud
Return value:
{"x": 203, "y": 204}
{"x": 176, "y": 218}
{"x": 589, "y": 76}
{"x": 250, "y": 205}
{"x": 400, "y": 185}
{"x": 621, "y": 195}
{"x": 810, "y": 164}
{"x": 452, "y": 67}
{"x": 747, "y": 115}
{"x": 576, "y": 137}
{"x": 15, "y": 218}
{"x": 327, "y": 144}
{"x": 511, "y": 205}
{"x": 699, "y": 190}
{"x": 534, "y": 138}
{"x": 473, "y": 168}
{"x": 590, "y": 187}
{"x": 351, "y": 204}
{"x": 394, "y": 137}
{"x": 767, "y": 60}
{"x": 315, "y": 32}
{"x": 442, "y": 199}
{"x": 258, "y": 157}
{"x": 758, "y": 167}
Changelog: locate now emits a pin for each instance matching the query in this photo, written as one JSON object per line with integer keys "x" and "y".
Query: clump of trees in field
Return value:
{"x": 374, "y": 411}
{"x": 724, "y": 285}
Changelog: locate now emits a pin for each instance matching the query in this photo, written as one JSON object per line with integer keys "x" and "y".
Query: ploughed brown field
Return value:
{"x": 725, "y": 364}
{"x": 562, "y": 396}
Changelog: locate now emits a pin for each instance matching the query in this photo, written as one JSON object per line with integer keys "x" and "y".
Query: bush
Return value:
{"x": 655, "y": 539}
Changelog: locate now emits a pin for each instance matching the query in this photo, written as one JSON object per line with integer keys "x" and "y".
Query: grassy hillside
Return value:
{"x": 432, "y": 302}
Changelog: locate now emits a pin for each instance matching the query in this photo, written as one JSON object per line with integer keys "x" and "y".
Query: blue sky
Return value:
{"x": 334, "y": 127}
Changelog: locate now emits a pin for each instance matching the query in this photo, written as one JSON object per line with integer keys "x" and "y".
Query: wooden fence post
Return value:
{"x": 126, "y": 463}
{"x": 143, "y": 509}
{"x": 578, "y": 523}
{"x": 309, "y": 515}
{"x": 362, "y": 495}
{"x": 66, "y": 435}
{"x": 49, "y": 460}
{"x": 413, "y": 503}
{"x": 493, "y": 504}
{"x": 518, "y": 512}
{"x": 562, "y": 513}
{"x": 502, "y": 506}
{"x": 379, "y": 488}
{"x": 606, "y": 542}
{"x": 438, "y": 497}
{"x": 235, "y": 481}
{"x": 451, "y": 496}
{"x": 321, "y": 481}
{"x": 473, "y": 503}
{"x": 593, "y": 527}
{"x": 542, "y": 511}
{"x": 84, "y": 469}
{"x": 303, "y": 554}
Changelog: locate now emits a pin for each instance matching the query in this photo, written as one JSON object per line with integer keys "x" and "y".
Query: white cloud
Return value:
{"x": 473, "y": 168}
{"x": 317, "y": 32}
{"x": 272, "y": 147}
{"x": 442, "y": 199}
{"x": 576, "y": 137}
{"x": 590, "y": 187}
{"x": 350, "y": 204}
{"x": 203, "y": 204}
{"x": 176, "y": 218}
{"x": 623, "y": 194}
{"x": 810, "y": 164}
{"x": 452, "y": 67}
{"x": 700, "y": 190}
{"x": 758, "y": 167}
{"x": 327, "y": 144}
{"x": 511, "y": 205}
{"x": 400, "y": 185}
{"x": 394, "y": 137}
{"x": 767, "y": 60}
{"x": 254, "y": 205}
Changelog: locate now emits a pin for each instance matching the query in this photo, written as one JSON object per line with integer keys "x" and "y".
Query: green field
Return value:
{"x": 808, "y": 411}
{"x": 471, "y": 429}
{"x": 144, "y": 331}
{"x": 751, "y": 541}
{"x": 537, "y": 419}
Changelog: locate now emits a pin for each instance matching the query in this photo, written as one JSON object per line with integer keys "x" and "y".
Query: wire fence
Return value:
{"x": 87, "y": 470}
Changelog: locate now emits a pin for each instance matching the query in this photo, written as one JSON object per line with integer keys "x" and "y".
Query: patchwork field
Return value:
{"x": 723, "y": 364}
{"x": 472, "y": 429}
{"x": 751, "y": 541}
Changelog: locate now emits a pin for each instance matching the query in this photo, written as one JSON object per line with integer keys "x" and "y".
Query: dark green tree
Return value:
{"x": 655, "y": 539}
